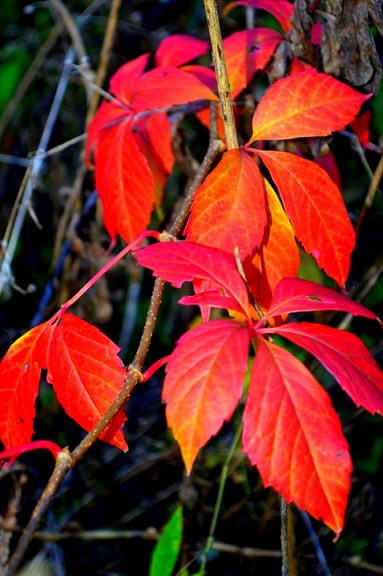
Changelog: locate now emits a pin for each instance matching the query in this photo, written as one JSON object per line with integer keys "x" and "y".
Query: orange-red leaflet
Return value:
{"x": 303, "y": 105}
{"x": 228, "y": 209}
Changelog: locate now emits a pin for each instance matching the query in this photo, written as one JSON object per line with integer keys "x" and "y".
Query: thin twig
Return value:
{"x": 71, "y": 28}
{"x": 218, "y": 502}
{"x": 221, "y": 73}
{"x": 104, "y": 57}
{"x": 28, "y": 77}
{"x": 372, "y": 190}
{"x": 24, "y": 199}
{"x": 82, "y": 170}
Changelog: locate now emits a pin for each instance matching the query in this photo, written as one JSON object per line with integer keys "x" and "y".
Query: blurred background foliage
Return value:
{"x": 133, "y": 495}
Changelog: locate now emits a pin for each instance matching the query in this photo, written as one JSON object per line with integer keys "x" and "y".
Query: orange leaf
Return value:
{"x": 86, "y": 374}
{"x": 124, "y": 183}
{"x": 316, "y": 210}
{"x": 228, "y": 210}
{"x": 198, "y": 394}
{"x": 303, "y": 105}
{"x": 19, "y": 377}
{"x": 246, "y": 52}
{"x": 278, "y": 255}
{"x": 294, "y": 436}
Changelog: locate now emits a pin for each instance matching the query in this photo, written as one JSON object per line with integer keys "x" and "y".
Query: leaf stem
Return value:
{"x": 221, "y": 73}
{"x": 218, "y": 502}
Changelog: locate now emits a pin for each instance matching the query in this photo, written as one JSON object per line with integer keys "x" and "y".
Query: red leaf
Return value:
{"x": 228, "y": 209}
{"x": 165, "y": 87}
{"x": 276, "y": 258}
{"x": 107, "y": 116}
{"x": 19, "y": 377}
{"x": 198, "y": 394}
{"x": 328, "y": 163}
{"x": 179, "y": 262}
{"x": 316, "y": 210}
{"x": 124, "y": 182}
{"x": 87, "y": 375}
{"x": 246, "y": 52}
{"x": 303, "y": 105}
{"x": 211, "y": 299}
{"x": 123, "y": 82}
{"x": 157, "y": 151}
{"x": 178, "y": 49}
{"x": 280, "y": 9}
{"x": 361, "y": 126}
{"x": 205, "y": 75}
{"x": 298, "y": 295}
{"x": 345, "y": 357}
{"x": 294, "y": 437}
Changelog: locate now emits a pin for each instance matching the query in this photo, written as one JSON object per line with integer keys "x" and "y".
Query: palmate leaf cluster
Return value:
{"x": 256, "y": 217}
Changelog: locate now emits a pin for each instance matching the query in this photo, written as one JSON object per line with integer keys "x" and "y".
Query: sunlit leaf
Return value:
{"x": 86, "y": 374}
{"x": 228, "y": 209}
{"x": 298, "y": 295}
{"x": 345, "y": 357}
{"x": 303, "y": 105}
{"x": 179, "y": 262}
{"x": 204, "y": 381}
{"x": 19, "y": 383}
{"x": 316, "y": 210}
{"x": 294, "y": 437}
{"x": 246, "y": 52}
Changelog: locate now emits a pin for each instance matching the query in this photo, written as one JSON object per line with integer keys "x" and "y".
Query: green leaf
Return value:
{"x": 166, "y": 550}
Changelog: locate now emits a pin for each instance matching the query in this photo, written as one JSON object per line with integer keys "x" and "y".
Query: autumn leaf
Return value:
{"x": 131, "y": 167}
{"x": 228, "y": 209}
{"x": 108, "y": 116}
{"x": 303, "y": 105}
{"x": 124, "y": 183}
{"x": 19, "y": 377}
{"x": 179, "y": 262}
{"x": 361, "y": 125}
{"x": 276, "y": 258}
{"x": 178, "y": 49}
{"x": 281, "y": 10}
{"x": 316, "y": 210}
{"x": 246, "y": 52}
{"x": 165, "y": 87}
{"x": 345, "y": 357}
{"x": 123, "y": 82}
{"x": 157, "y": 152}
{"x": 294, "y": 437}
{"x": 298, "y": 295}
{"x": 203, "y": 383}
{"x": 86, "y": 374}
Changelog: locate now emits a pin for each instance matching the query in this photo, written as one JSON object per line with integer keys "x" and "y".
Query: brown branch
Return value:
{"x": 82, "y": 170}
{"x": 372, "y": 190}
{"x": 65, "y": 462}
{"x": 221, "y": 73}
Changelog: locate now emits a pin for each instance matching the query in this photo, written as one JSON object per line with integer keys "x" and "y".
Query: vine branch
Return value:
{"x": 221, "y": 73}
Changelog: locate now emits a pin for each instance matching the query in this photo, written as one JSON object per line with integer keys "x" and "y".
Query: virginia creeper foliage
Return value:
{"x": 241, "y": 251}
